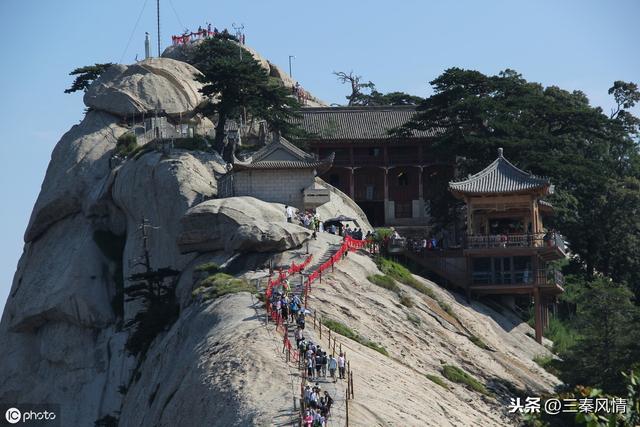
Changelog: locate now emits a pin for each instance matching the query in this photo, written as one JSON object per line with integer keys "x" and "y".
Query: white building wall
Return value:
{"x": 279, "y": 186}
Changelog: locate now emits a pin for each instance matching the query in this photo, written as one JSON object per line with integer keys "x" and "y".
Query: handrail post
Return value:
{"x": 351, "y": 379}
{"x": 346, "y": 403}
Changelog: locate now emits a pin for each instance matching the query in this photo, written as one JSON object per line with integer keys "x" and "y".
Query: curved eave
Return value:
{"x": 540, "y": 191}
{"x": 320, "y": 165}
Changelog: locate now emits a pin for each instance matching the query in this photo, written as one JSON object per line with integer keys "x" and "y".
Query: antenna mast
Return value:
{"x": 158, "y": 9}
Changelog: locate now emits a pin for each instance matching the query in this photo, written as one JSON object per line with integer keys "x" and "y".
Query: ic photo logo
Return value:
{"x": 31, "y": 415}
{"x": 13, "y": 415}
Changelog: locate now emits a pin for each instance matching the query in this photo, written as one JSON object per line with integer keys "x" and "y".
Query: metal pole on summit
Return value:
{"x": 158, "y": 10}
{"x": 290, "y": 58}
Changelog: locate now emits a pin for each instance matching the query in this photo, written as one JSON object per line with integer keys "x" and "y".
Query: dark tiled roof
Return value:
{"x": 357, "y": 123}
{"x": 265, "y": 151}
{"x": 501, "y": 176}
{"x": 287, "y": 164}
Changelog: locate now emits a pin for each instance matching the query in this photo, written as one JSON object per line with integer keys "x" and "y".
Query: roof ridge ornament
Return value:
{"x": 500, "y": 153}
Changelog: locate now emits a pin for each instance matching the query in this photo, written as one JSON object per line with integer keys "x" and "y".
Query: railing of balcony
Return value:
{"x": 529, "y": 240}
{"x": 368, "y": 160}
{"x": 542, "y": 277}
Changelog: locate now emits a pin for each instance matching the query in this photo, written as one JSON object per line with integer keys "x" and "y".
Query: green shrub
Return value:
{"x": 195, "y": 143}
{"x": 375, "y": 346}
{"x": 446, "y": 308}
{"x": 208, "y": 267}
{"x": 126, "y": 144}
{"x": 406, "y": 301}
{"x": 436, "y": 379}
{"x": 457, "y": 375}
{"x": 548, "y": 363}
{"x": 340, "y": 328}
{"x": 381, "y": 233}
{"x": 478, "y": 341}
{"x": 345, "y": 331}
{"x": 402, "y": 275}
{"x": 139, "y": 151}
{"x": 220, "y": 284}
{"x": 384, "y": 282}
{"x": 414, "y": 319}
{"x": 562, "y": 335}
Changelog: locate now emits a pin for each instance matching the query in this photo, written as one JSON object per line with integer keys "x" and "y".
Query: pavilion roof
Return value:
{"x": 501, "y": 177}
{"x": 296, "y": 158}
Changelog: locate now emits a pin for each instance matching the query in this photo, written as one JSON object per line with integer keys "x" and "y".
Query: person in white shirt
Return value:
{"x": 341, "y": 365}
{"x": 290, "y": 213}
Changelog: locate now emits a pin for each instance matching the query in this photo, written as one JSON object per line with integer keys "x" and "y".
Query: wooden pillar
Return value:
{"x": 536, "y": 223}
{"x": 469, "y": 216}
{"x": 386, "y": 184}
{"x": 469, "y": 277}
{"x": 537, "y": 309}
{"x": 351, "y": 156}
{"x": 352, "y": 185}
{"x": 420, "y": 186}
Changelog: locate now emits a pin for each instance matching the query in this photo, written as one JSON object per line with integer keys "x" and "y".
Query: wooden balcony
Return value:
{"x": 548, "y": 280}
{"x": 548, "y": 245}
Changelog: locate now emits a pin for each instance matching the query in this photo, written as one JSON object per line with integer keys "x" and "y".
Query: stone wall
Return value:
{"x": 277, "y": 186}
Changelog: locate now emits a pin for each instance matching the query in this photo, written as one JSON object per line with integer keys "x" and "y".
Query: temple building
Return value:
{"x": 393, "y": 179}
{"x": 507, "y": 250}
{"x": 280, "y": 172}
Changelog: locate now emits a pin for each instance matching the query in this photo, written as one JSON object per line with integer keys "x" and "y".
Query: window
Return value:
{"x": 374, "y": 152}
{"x": 522, "y": 269}
{"x": 370, "y": 189}
{"x": 481, "y": 274}
{"x": 502, "y": 270}
{"x": 404, "y": 210}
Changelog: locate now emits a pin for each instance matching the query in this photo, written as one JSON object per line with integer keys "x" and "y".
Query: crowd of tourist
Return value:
{"x": 316, "y": 404}
{"x": 422, "y": 245}
{"x": 310, "y": 219}
{"x": 317, "y": 363}
{"x": 301, "y": 94}
{"x": 205, "y": 33}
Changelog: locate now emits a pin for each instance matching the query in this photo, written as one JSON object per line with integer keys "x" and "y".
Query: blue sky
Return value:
{"x": 401, "y": 45}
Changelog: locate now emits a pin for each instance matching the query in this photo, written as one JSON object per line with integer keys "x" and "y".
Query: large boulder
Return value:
{"x": 154, "y": 83}
{"x": 215, "y": 367}
{"x": 78, "y": 170}
{"x": 240, "y": 224}
{"x": 61, "y": 276}
{"x": 160, "y": 188}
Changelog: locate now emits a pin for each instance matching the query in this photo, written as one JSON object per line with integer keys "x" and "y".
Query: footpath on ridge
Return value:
{"x": 340, "y": 391}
